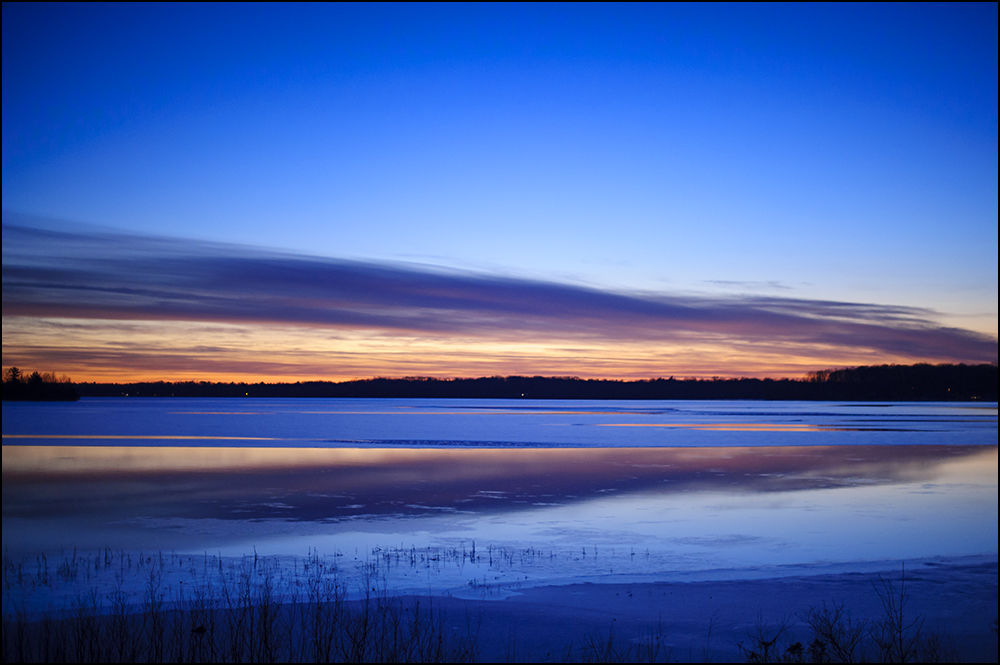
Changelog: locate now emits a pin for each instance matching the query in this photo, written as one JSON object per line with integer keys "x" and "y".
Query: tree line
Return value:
{"x": 921, "y": 382}
{"x": 37, "y": 387}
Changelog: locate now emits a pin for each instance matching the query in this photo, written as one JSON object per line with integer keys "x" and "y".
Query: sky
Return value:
{"x": 280, "y": 193}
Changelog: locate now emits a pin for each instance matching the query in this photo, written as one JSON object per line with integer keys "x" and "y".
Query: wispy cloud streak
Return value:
{"x": 93, "y": 275}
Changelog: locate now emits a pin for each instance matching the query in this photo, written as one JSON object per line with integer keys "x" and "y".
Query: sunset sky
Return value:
{"x": 271, "y": 192}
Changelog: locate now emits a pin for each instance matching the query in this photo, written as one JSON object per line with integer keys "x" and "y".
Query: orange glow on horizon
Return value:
{"x": 133, "y": 351}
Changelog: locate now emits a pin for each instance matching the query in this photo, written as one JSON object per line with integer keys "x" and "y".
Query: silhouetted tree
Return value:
{"x": 38, "y": 387}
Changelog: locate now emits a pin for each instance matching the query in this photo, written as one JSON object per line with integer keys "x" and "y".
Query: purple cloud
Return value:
{"x": 118, "y": 276}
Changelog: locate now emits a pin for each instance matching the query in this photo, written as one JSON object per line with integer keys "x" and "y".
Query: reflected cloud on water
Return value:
{"x": 327, "y": 485}
{"x": 544, "y": 516}
{"x": 655, "y": 487}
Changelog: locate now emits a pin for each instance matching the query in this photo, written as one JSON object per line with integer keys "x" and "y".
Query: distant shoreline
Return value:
{"x": 937, "y": 383}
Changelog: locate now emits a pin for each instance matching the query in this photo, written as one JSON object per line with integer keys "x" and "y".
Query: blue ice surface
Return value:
{"x": 228, "y": 422}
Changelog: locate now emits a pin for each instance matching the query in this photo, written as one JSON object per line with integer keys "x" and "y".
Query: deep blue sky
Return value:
{"x": 834, "y": 152}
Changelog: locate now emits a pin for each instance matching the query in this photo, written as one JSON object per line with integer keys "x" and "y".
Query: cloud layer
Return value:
{"x": 95, "y": 275}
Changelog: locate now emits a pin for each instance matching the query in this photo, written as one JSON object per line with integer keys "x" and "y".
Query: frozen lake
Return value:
{"x": 542, "y": 491}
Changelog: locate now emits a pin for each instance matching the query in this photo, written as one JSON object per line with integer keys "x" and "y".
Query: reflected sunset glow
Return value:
{"x": 281, "y": 500}
{"x": 732, "y": 485}
{"x": 738, "y": 427}
{"x": 509, "y": 468}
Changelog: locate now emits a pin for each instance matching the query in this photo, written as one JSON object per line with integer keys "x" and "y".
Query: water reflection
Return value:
{"x": 650, "y": 512}
{"x": 326, "y": 485}
{"x": 657, "y": 488}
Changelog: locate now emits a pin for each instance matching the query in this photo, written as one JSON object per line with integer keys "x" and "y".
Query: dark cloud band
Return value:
{"x": 118, "y": 276}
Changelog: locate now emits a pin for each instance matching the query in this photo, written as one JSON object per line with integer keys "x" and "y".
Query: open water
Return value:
{"x": 480, "y": 497}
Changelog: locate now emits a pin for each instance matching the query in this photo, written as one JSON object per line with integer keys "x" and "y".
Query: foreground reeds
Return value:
{"x": 251, "y": 611}
{"x": 254, "y": 610}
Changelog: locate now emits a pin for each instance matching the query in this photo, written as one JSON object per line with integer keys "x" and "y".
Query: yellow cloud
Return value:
{"x": 120, "y": 351}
